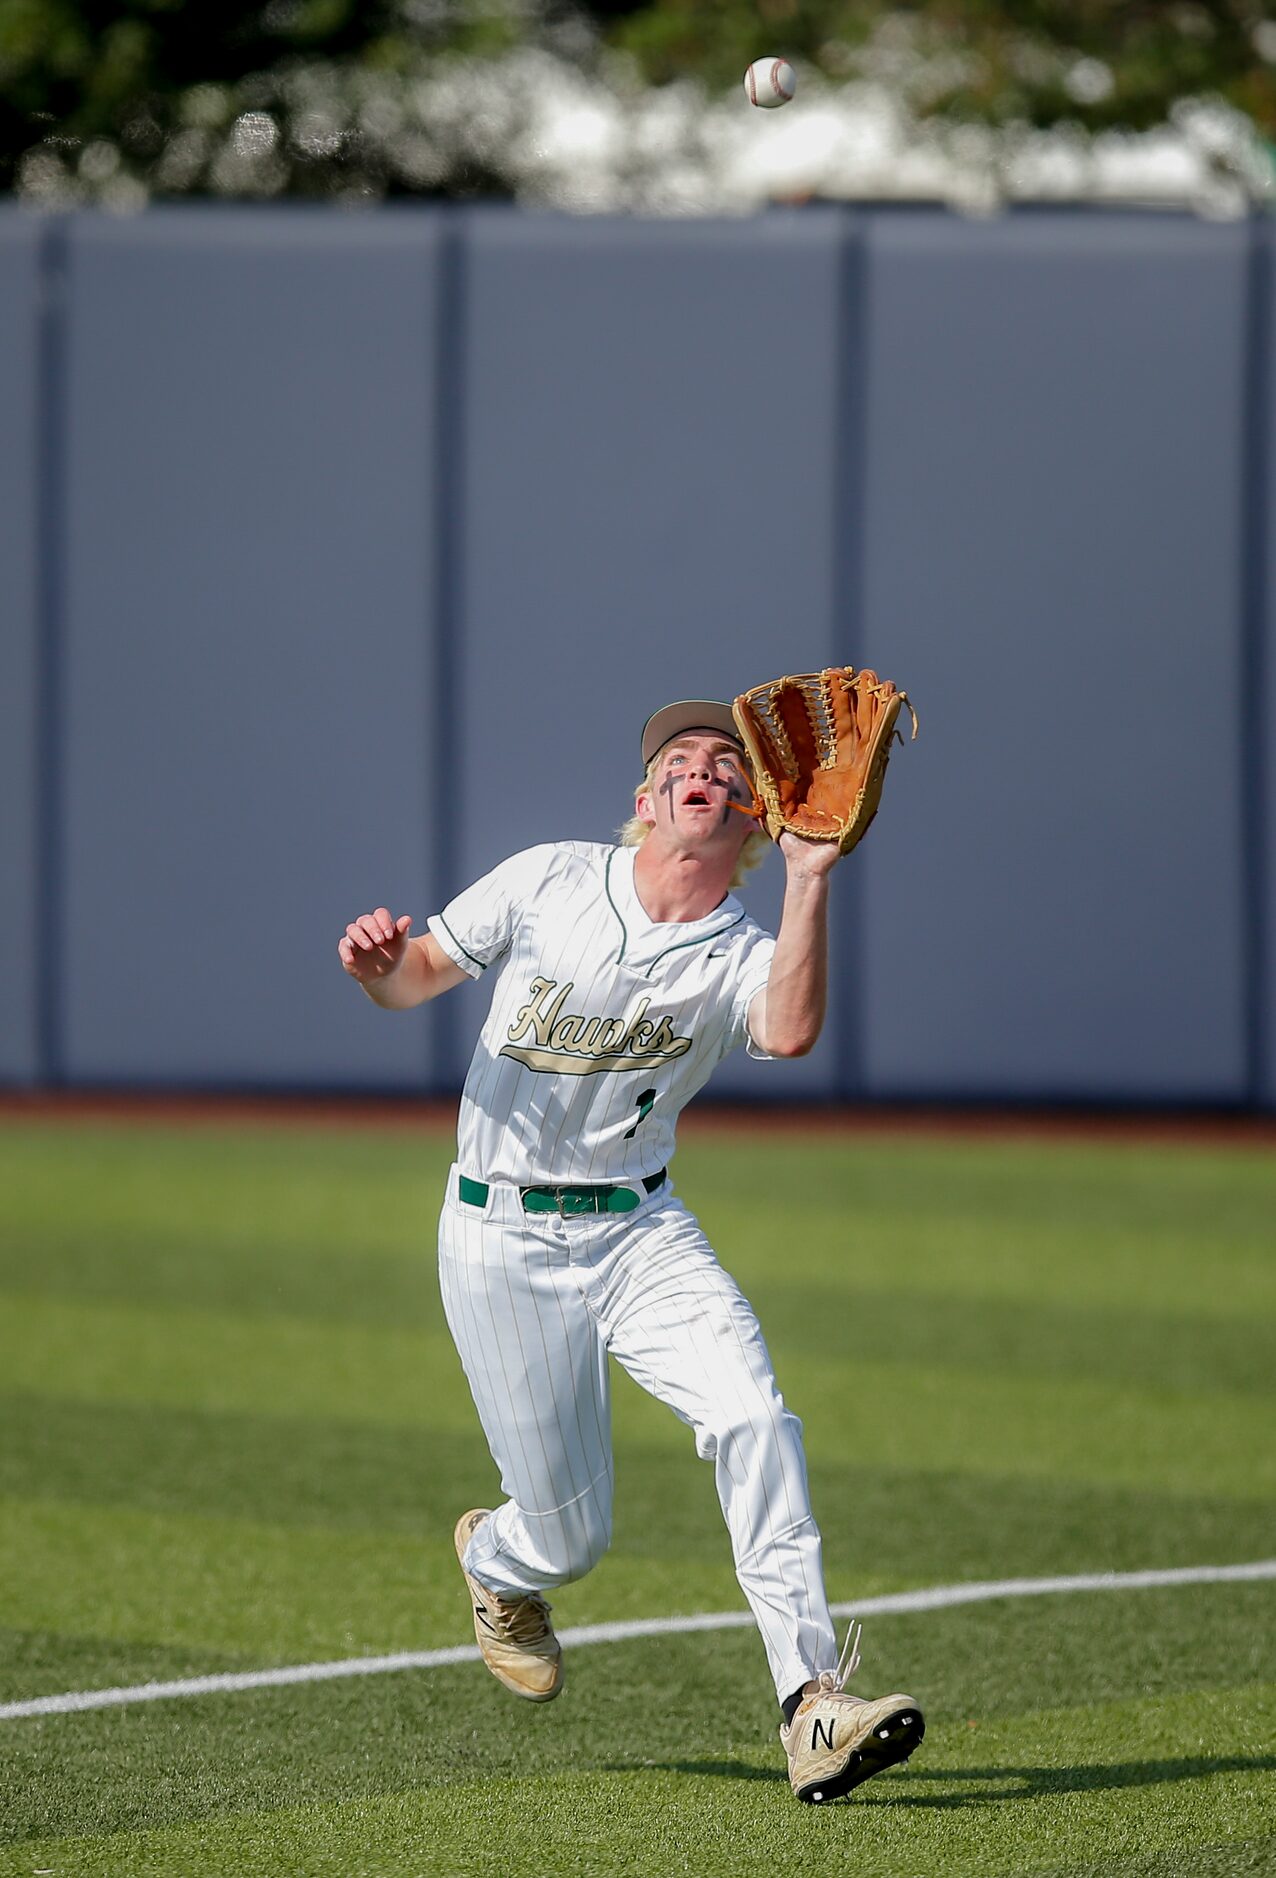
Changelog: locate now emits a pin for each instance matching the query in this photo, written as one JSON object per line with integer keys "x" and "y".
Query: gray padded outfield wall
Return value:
{"x": 344, "y": 553}
{"x": 249, "y": 638}
{"x": 20, "y": 753}
{"x": 1053, "y": 470}
{"x": 1260, "y": 777}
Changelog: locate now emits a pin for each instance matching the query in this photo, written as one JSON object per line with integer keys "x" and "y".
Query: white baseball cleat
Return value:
{"x": 837, "y": 1741}
{"x": 515, "y": 1635}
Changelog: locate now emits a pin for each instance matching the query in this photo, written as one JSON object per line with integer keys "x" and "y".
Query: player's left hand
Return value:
{"x": 808, "y": 860}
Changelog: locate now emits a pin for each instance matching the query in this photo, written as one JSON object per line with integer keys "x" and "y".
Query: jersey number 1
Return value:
{"x": 646, "y": 1102}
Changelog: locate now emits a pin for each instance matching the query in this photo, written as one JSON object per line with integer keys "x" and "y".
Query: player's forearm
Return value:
{"x": 797, "y": 988}
{"x": 415, "y": 980}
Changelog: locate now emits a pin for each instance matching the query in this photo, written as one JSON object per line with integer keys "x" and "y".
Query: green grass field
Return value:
{"x": 235, "y": 1435}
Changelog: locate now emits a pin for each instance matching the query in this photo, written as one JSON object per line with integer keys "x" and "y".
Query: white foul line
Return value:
{"x": 936, "y": 1598}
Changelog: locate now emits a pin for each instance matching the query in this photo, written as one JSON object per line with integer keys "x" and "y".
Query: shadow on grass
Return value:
{"x": 719, "y": 1770}
{"x": 986, "y": 1785}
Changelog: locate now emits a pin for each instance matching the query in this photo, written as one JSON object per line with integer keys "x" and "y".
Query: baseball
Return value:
{"x": 769, "y": 82}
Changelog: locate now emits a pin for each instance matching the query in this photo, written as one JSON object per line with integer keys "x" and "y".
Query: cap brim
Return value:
{"x": 688, "y": 714}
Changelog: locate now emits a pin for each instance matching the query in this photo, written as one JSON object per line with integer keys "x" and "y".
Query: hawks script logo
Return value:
{"x": 544, "y": 1036}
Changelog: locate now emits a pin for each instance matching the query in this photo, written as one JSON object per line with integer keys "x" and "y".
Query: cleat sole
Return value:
{"x": 886, "y": 1747}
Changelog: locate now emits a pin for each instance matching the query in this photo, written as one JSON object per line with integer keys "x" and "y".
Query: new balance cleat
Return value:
{"x": 837, "y": 1741}
{"x": 515, "y": 1636}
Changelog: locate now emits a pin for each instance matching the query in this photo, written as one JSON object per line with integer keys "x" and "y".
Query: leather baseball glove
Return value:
{"x": 819, "y": 744}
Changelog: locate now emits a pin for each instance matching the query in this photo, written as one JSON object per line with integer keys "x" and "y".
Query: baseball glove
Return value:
{"x": 819, "y": 745}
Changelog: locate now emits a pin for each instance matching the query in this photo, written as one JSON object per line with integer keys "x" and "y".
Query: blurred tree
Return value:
{"x": 122, "y": 99}
{"x": 1100, "y": 63}
{"x": 152, "y": 88}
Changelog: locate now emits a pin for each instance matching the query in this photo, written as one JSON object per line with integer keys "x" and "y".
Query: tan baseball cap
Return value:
{"x": 688, "y": 714}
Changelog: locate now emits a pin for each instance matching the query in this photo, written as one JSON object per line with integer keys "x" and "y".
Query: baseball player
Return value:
{"x": 619, "y": 976}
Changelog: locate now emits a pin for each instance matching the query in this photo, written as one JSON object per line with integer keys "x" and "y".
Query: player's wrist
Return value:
{"x": 807, "y": 875}
{"x": 389, "y": 984}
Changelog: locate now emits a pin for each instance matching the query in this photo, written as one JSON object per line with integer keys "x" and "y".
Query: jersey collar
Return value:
{"x": 643, "y": 941}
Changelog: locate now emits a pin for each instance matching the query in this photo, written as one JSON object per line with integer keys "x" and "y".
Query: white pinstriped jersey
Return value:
{"x": 603, "y": 1024}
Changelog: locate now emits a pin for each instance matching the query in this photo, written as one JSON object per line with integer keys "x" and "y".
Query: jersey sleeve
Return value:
{"x": 477, "y": 927}
{"x": 754, "y": 968}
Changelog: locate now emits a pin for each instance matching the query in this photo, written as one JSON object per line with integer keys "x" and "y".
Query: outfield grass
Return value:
{"x": 235, "y": 1435}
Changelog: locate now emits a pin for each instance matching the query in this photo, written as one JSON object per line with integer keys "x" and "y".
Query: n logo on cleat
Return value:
{"x": 825, "y": 1728}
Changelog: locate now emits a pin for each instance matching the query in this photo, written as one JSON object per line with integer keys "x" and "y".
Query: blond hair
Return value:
{"x": 634, "y": 832}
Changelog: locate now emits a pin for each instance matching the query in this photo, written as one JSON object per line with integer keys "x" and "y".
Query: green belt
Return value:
{"x": 566, "y": 1200}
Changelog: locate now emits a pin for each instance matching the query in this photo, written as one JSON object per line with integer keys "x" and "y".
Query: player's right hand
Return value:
{"x": 374, "y": 945}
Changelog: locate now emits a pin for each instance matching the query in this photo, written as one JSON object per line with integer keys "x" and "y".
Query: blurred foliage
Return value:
{"x": 134, "y": 98}
{"x": 154, "y": 89}
{"x": 1105, "y": 64}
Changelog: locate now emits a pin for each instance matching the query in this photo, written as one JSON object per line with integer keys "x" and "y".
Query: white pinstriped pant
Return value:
{"x": 535, "y": 1302}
